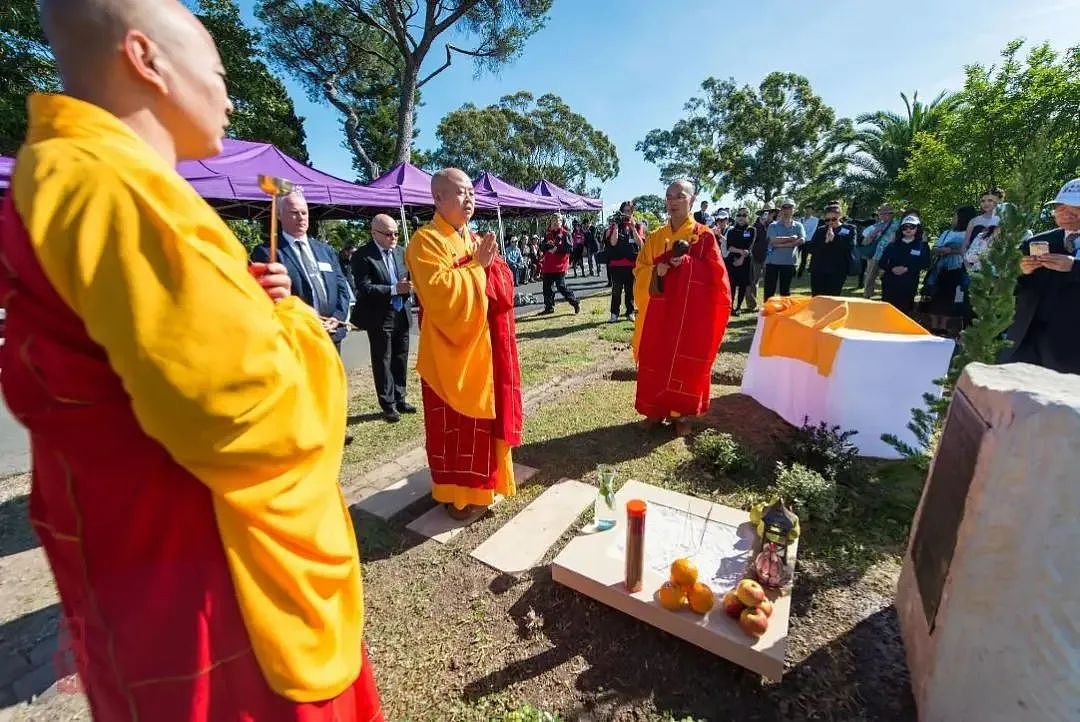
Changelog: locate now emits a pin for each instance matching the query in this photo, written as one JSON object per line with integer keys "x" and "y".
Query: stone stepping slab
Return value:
{"x": 436, "y": 523}
{"x": 524, "y": 540}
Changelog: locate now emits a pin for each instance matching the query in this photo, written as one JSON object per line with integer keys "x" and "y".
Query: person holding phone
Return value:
{"x": 1048, "y": 291}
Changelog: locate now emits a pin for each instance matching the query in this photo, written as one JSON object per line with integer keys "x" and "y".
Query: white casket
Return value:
{"x": 849, "y": 362}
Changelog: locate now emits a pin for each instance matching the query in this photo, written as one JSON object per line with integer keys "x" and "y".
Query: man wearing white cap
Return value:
{"x": 1048, "y": 291}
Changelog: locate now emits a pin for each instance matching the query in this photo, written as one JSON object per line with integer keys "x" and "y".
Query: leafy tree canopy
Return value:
{"x": 523, "y": 140}
{"x": 754, "y": 142}
{"x": 999, "y": 112}
{"x": 264, "y": 112}
{"x": 361, "y": 56}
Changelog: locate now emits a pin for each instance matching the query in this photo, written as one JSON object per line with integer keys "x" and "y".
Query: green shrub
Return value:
{"x": 722, "y": 453}
{"x": 825, "y": 449}
{"x": 810, "y": 494}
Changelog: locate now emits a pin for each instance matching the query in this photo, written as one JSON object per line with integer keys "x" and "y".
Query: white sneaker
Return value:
{"x": 631, "y": 317}
{"x": 614, "y": 318}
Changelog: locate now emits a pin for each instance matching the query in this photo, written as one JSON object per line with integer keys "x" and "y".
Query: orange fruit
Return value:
{"x": 684, "y": 572}
{"x": 671, "y": 596}
{"x": 701, "y": 598}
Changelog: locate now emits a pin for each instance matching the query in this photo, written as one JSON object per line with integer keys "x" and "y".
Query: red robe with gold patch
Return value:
{"x": 682, "y": 332}
{"x": 462, "y": 450}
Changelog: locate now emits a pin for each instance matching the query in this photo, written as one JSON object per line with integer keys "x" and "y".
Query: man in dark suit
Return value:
{"x": 313, "y": 267}
{"x": 382, "y": 309}
{"x": 1048, "y": 292}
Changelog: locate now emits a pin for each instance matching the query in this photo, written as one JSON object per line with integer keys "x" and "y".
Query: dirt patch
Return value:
{"x": 750, "y": 422}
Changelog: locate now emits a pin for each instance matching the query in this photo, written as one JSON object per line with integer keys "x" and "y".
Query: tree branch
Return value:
{"x": 352, "y": 125}
{"x": 445, "y": 65}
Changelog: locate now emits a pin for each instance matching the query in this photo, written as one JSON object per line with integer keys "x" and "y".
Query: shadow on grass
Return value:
{"x": 628, "y": 664}
{"x": 16, "y": 534}
{"x": 575, "y": 455}
{"x": 364, "y": 418}
{"x": 556, "y": 331}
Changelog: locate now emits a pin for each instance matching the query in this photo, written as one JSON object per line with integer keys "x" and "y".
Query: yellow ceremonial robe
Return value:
{"x": 657, "y": 244}
{"x": 247, "y": 396}
{"x": 469, "y": 452}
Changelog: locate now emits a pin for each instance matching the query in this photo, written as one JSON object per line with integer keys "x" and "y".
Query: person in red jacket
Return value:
{"x": 554, "y": 263}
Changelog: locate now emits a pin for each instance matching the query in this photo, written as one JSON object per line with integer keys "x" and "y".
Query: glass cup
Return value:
{"x": 604, "y": 515}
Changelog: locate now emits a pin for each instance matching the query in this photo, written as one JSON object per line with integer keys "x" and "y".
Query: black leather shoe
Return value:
{"x": 348, "y": 439}
{"x": 391, "y": 416}
{"x": 404, "y": 407}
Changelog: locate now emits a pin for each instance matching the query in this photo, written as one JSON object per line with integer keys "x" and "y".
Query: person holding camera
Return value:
{"x": 623, "y": 244}
{"x": 554, "y": 263}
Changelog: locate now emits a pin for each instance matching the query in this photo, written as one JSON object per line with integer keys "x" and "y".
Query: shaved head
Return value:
{"x": 454, "y": 196}
{"x": 150, "y": 63}
{"x": 384, "y": 230}
{"x": 679, "y": 200}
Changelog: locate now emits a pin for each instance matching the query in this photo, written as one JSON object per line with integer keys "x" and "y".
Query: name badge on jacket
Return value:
{"x": 916, "y": 251}
{"x": 746, "y": 234}
{"x": 325, "y": 267}
{"x": 845, "y": 231}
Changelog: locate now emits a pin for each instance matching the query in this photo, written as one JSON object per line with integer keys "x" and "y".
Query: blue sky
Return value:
{"x": 629, "y": 66}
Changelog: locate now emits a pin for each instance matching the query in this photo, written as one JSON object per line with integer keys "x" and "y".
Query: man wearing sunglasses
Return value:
{"x": 830, "y": 251}
{"x": 383, "y": 284}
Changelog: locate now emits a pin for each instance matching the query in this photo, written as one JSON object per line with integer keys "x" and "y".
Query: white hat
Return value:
{"x": 721, "y": 215}
{"x": 1069, "y": 195}
{"x": 911, "y": 221}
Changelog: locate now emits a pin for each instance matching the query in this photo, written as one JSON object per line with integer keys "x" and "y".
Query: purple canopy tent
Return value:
{"x": 571, "y": 202}
{"x": 511, "y": 198}
{"x": 413, "y": 188}
{"x": 229, "y": 181}
{"x": 6, "y": 164}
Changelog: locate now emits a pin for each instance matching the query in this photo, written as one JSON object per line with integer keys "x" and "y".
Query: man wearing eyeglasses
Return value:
{"x": 382, "y": 309}
{"x": 313, "y": 266}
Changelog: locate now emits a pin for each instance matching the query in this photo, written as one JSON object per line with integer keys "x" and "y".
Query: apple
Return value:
{"x": 754, "y": 621}
{"x": 750, "y": 592}
{"x": 731, "y": 605}
{"x": 766, "y": 606}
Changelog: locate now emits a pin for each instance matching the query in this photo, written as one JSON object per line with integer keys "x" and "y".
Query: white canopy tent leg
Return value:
{"x": 502, "y": 234}
{"x": 404, "y": 226}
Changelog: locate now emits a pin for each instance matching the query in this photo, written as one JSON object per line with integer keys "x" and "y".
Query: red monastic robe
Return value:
{"x": 682, "y": 332}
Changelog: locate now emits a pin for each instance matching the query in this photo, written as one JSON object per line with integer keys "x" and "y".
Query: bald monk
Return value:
{"x": 684, "y": 302}
{"x": 468, "y": 361}
{"x": 186, "y": 414}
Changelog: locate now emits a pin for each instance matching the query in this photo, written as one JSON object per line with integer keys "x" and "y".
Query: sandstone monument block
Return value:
{"x": 989, "y": 592}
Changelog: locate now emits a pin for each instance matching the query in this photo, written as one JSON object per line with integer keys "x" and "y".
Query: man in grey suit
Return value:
{"x": 313, "y": 266}
{"x": 382, "y": 309}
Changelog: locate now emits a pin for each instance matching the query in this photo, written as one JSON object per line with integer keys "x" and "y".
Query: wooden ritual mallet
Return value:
{"x": 275, "y": 188}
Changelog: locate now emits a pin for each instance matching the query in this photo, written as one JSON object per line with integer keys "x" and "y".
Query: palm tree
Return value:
{"x": 882, "y": 145}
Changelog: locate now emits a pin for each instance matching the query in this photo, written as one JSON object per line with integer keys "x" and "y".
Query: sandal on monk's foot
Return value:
{"x": 459, "y": 514}
{"x": 682, "y": 427}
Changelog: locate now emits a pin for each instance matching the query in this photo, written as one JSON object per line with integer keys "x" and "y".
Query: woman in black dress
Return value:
{"x": 901, "y": 264}
{"x": 740, "y": 241}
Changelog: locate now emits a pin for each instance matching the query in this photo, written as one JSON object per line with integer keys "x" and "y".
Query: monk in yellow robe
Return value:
{"x": 684, "y": 301}
{"x": 468, "y": 359}
{"x": 186, "y": 413}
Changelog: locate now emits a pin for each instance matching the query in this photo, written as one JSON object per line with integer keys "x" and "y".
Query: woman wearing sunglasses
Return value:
{"x": 740, "y": 243}
{"x": 902, "y": 262}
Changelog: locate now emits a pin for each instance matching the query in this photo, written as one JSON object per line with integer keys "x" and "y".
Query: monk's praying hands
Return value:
{"x": 486, "y": 249}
